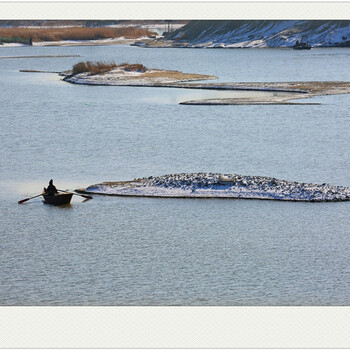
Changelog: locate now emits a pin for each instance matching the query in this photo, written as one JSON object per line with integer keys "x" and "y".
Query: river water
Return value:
{"x": 144, "y": 251}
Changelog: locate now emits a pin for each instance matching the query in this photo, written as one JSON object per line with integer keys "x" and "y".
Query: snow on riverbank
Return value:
{"x": 256, "y": 34}
{"x": 215, "y": 185}
{"x": 97, "y": 42}
{"x": 12, "y": 45}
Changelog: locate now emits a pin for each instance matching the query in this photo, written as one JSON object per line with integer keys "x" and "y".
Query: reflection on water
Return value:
{"x": 66, "y": 206}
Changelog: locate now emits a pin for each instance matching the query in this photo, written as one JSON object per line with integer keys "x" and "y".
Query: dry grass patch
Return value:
{"x": 73, "y": 33}
{"x": 175, "y": 75}
{"x": 101, "y": 67}
{"x": 98, "y": 67}
{"x": 314, "y": 87}
{"x": 318, "y": 86}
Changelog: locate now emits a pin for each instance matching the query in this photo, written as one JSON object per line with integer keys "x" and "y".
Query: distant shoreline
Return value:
{"x": 40, "y": 56}
{"x": 98, "y": 42}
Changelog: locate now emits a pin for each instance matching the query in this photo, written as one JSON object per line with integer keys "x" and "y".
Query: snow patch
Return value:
{"x": 274, "y": 33}
{"x": 12, "y": 45}
{"x": 215, "y": 185}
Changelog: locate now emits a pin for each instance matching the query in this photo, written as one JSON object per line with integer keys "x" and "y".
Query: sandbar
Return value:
{"x": 216, "y": 185}
{"x": 175, "y": 79}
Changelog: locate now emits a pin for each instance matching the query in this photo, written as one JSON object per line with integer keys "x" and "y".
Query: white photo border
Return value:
{"x": 174, "y": 327}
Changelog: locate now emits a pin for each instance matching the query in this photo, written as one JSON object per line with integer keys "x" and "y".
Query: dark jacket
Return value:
{"x": 51, "y": 189}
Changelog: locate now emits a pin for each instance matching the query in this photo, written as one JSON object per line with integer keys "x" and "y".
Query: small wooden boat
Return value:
{"x": 58, "y": 199}
{"x": 302, "y": 46}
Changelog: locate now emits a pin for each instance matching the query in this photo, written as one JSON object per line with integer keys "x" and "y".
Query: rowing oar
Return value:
{"x": 27, "y": 199}
{"x": 81, "y": 195}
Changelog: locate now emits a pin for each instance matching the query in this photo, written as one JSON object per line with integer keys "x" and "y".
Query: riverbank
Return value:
{"x": 99, "y": 42}
{"x": 215, "y": 185}
{"x": 76, "y": 35}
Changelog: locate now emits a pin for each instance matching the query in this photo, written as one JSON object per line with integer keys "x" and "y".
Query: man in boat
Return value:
{"x": 51, "y": 190}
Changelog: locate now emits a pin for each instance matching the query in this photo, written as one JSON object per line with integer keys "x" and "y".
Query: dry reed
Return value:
{"x": 101, "y": 67}
{"x": 73, "y": 33}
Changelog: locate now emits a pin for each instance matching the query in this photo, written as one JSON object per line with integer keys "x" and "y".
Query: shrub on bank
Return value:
{"x": 98, "y": 67}
{"x": 101, "y": 67}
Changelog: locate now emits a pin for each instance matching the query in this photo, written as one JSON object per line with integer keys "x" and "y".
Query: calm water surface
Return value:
{"x": 137, "y": 251}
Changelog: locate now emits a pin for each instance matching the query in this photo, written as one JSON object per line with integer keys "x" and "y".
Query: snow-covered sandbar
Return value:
{"x": 122, "y": 75}
{"x": 215, "y": 185}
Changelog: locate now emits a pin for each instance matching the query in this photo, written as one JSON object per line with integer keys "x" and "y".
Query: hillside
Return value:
{"x": 261, "y": 33}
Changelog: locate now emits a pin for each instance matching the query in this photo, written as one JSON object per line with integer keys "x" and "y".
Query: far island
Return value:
{"x": 111, "y": 73}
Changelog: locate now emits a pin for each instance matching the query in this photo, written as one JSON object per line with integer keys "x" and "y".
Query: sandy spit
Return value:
{"x": 149, "y": 78}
